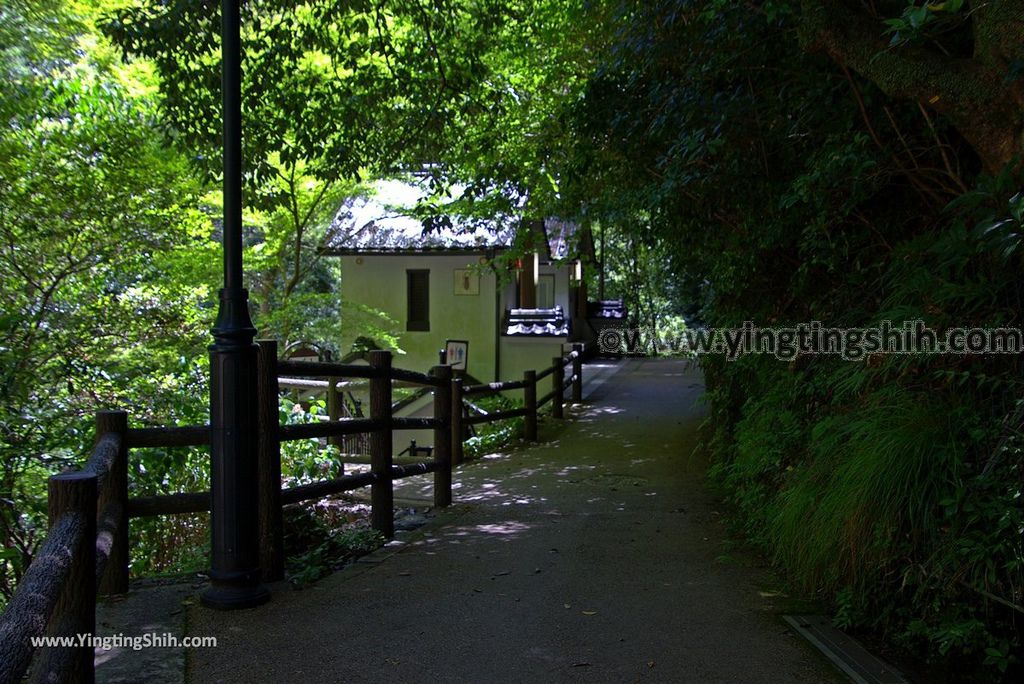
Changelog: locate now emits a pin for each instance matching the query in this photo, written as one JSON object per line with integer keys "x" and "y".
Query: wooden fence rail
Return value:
{"x": 322, "y": 369}
{"x": 85, "y": 552}
{"x": 350, "y": 426}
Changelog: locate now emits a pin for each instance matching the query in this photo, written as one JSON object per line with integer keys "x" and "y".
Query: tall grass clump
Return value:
{"x": 866, "y": 499}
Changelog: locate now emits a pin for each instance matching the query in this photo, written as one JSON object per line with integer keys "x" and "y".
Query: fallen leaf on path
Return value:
{"x": 590, "y": 612}
{"x": 650, "y": 663}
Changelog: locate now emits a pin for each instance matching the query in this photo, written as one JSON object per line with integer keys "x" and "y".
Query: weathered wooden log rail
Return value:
{"x": 85, "y": 553}
{"x": 531, "y": 404}
{"x": 86, "y": 545}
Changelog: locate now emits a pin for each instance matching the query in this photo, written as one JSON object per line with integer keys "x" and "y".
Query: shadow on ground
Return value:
{"x": 595, "y": 556}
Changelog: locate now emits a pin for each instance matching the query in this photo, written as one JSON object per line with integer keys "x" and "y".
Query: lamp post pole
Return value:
{"x": 234, "y": 572}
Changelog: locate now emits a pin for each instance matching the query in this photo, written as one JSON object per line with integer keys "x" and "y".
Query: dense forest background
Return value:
{"x": 777, "y": 161}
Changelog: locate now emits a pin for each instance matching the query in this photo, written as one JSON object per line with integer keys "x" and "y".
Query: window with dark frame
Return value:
{"x": 418, "y": 299}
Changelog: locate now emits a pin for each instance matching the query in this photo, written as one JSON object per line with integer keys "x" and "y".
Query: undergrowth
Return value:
{"x": 316, "y": 546}
{"x": 491, "y": 437}
{"x": 891, "y": 487}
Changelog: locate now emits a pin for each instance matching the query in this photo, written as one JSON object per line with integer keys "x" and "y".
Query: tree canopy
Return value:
{"x": 774, "y": 161}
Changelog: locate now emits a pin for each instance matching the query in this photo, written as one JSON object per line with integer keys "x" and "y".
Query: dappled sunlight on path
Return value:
{"x": 593, "y": 556}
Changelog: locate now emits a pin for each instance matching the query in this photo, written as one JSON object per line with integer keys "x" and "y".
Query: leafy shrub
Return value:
{"x": 306, "y": 460}
{"x": 491, "y": 437}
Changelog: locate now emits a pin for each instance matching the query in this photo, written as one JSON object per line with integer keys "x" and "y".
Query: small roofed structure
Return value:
{"x": 605, "y": 309}
{"x": 537, "y": 322}
{"x": 443, "y": 277}
{"x": 606, "y": 314}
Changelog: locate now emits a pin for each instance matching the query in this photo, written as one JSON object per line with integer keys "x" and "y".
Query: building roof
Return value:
{"x": 559, "y": 234}
{"x": 388, "y": 221}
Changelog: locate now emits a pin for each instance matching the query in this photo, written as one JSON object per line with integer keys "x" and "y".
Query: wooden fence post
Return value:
{"x": 382, "y": 496}
{"x": 75, "y": 612}
{"x": 115, "y": 490}
{"x": 577, "y": 374}
{"x": 557, "y": 380}
{"x": 458, "y": 453}
{"x": 268, "y": 454}
{"x": 443, "y": 436}
{"x": 334, "y": 414}
{"x": 530, "y": 403}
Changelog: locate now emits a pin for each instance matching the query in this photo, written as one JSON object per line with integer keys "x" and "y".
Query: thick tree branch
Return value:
{"x": 972, "y": 93}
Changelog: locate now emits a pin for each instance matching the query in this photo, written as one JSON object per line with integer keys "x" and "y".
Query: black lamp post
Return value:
{"x": 235, "y": 571}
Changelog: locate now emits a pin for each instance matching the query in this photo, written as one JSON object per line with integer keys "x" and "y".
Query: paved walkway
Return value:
{"x": 594, "y": 557}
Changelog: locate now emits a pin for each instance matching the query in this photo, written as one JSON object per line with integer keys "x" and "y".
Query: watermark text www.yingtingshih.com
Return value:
{"x": 786, "y": 343}
{"x": 134, "y": 642}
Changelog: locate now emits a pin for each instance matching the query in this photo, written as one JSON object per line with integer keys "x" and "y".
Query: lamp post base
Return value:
{"x": 234, "y": 509}
{"x": 234, "y": 598}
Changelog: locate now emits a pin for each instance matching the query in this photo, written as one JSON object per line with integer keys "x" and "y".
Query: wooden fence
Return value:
{"x": 85, "y": 553}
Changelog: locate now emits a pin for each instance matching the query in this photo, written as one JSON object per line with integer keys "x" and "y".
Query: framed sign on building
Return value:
{"x": 456, "y": 354}
{"x": 467, "y": 282}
